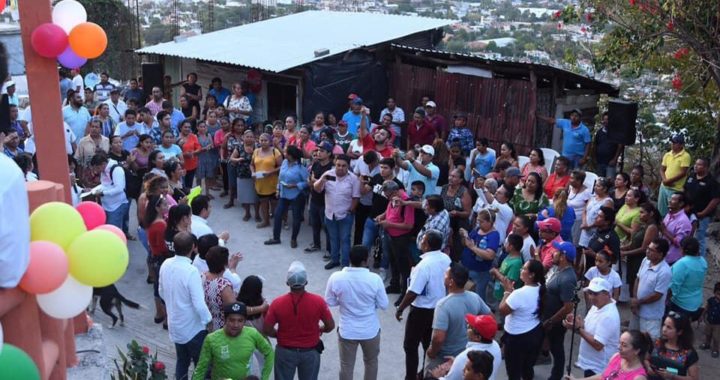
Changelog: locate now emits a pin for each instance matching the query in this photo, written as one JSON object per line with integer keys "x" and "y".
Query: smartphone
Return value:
{"x": 366, "y": 178}
{"x": 330, "y": 177}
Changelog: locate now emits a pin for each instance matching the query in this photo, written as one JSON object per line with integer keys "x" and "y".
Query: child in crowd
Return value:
{"x": 691, "y": 215}
{"x": 712, "y": 323}
{"x": 510, "y": 266}
{"x": 603, "y": 269}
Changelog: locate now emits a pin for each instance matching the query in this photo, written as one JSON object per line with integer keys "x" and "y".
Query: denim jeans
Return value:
{"x": 664, "y": 195}
{"x": 282, "y": 206}
{"x": 117, "y": 216}
{"x": 189, "y": 179}
{"x": 370, "y": 232}
{"x": 340, "y": 230}
{"x": 605, "y": 170}
{"x": 481, "y": 280}
{"x": 556, "y": 338}
{"x": 317, "y": 220}
{"x": 701, "y": 233}
{"x": 187, "y": 352}
{"x": 287, "y": 361}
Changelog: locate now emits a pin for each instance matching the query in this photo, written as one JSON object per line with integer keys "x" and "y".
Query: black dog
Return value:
{"x": 109, "y": 296}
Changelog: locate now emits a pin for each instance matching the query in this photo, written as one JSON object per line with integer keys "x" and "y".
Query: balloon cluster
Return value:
{"x": 72, "y": 251}
{"x": 69, "y": 38}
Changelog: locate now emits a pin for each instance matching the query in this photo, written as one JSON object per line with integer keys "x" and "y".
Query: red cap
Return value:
{"x": 551, "y": 224}
{"x": 352, "y": 96}
{"x": 484, "y": 325}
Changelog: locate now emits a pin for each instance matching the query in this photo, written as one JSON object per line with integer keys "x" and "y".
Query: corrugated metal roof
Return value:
{"x": 522, "y": 63}
{"x": 285, "y": 42}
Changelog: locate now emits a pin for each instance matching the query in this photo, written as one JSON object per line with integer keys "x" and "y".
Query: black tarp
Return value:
{"x": 329, "y": 82}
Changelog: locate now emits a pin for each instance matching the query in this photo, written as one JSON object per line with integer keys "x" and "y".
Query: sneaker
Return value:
{"x": 272, "y": 241}
{"x": 715, "y": 354}
{"x": 293, "y": 243}
{"x": 331, "y": 265}
{"x": 704, "y": 346}
{"x": 327, "y": 257}
{"x": 312, "y": 248}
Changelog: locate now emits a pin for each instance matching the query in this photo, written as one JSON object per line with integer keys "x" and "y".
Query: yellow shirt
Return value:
{"x": 674, "y": 163}
{"x": 266, "y": 185}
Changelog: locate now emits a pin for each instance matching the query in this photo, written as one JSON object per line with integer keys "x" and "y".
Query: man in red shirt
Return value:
{"x": 296, "y": 315}
{"x": 420, "y": 131}
{"x": 438, "y": 121}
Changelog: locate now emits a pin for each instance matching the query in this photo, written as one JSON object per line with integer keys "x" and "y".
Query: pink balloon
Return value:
{"x": 70, "y": 60}
{"x": 113, "y": 229}
{"x": 49, "y": 40}
{"x": 47, "y": 270}
{"x": 92, "y": 213}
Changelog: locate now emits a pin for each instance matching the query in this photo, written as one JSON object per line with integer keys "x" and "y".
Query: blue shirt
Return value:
{"x": 430, "y": 183}
{"x": 574, "y": 139}
{"x": 173, "y": 151}
{"x": 688, "y": 275}
{"x": 130, "y": 142}
{"x": 484, "y": 163}
{"x": 77, "y": 120}
{"x": 292, "y": 174}
{"x": 473, "y": 262}
{"x": 136, "y": 94}
{"x": 566, "y": 222}
{"x": 353, "y": 121}
{"x": 65, "y": 85}
{"x": 176, "y": 119}
{"x": 464, "y": 137}
{"x": 220, "y": 95}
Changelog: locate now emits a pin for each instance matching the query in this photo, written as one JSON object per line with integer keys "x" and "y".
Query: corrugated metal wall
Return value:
{"x": 498, "y": 109}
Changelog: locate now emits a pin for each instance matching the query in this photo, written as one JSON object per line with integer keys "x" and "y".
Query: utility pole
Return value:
{"x": 211, "y": 15}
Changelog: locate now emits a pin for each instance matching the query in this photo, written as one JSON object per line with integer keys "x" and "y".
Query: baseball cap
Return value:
{"x": 420, "y": 111}
{"x": 566, "y": 248}
{"x": 598, "y": 284}
{"x": 551, "y": 224}
{"x": 235, "y": 308}
{"x": 430, "y": 103}
{"x": 460, "y": 115}
{"x": 296, "y": 276}
{"x": 352, "y": 96}
{"x": 428, "y": 149}
{"x": 677, "y": 139}
{"x": 357, "y": 100}
{"x": 577, "y": 111}
{"x": 9, "y": 83}
{"x": 326, "y": 146}
{"x": 512, "y": 172}
{"x": 485, "y": 325}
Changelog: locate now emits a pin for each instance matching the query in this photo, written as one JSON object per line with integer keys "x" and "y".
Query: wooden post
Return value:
{"x": 44, "y": 90}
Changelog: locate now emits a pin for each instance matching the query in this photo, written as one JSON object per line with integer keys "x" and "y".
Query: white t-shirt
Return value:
{"x": 578, "y": 201}
{"x": 14, "y": 224}
{"x": 79, "y": 82}
{"x": 456, "y": 371}
{"x": 524, "y": 303}
{"x": 26, "y": 116}
{"x": 503, "y": 217}
{"x": 604, "y": 325}
{"x": 613, "y": 277}
{"x": 528, "y": 243}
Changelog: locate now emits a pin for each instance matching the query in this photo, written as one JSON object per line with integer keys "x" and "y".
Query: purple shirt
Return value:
{"x": 679, "y": 226}
{"x": 339, "y": 194}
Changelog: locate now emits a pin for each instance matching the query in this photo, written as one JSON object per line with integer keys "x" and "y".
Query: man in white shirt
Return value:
{"x": 181, "y": 288}
{"x": 112, "y": 191}
{"x": 14, "y": 222}
{"x": 359, "y": 293}
{"x": 116, "y": 105}
{"x": 200, "y": 206}
{"x": 78, "y": 83}
{"x": 600, "y": 331}
{"x": 503, "y": 211}
{"x": 481, "y": 330}
{"x": 26, "y": 117}
{"x": 651, "y": 289}
{"x": 130, "y": 131}
{"x": 426, "y": 288}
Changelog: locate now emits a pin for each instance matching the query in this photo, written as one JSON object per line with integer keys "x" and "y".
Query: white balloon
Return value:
{"x": 68, "y": 13}
{"x": 67, "y": 301}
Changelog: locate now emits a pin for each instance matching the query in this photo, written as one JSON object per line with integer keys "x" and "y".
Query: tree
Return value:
{"x": 676, "y": 37}
{"x": 118, "y": 22}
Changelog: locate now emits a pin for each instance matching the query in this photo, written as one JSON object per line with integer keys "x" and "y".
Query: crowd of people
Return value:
{"x": 470, "y": 239}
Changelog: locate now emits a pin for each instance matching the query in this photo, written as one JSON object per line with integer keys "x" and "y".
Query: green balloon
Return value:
{"x": 16, "y": 364}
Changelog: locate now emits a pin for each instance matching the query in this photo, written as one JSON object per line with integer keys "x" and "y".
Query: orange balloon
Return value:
{"x": 88, "y": 40}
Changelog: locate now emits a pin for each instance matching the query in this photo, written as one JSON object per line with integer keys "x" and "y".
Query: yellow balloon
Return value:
{"x": 98, "y": 258}
{"x": 56, "y": 222}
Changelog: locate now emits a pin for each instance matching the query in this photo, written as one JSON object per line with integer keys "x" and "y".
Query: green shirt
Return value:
{"x": 509, "y": 268}
{"x": 230, "y": 357}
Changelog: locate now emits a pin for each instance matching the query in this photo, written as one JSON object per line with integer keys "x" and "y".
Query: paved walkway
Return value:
{"x": 271, "y": 263}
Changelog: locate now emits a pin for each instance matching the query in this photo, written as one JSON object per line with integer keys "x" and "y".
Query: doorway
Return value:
{"x": 281, "y": 100}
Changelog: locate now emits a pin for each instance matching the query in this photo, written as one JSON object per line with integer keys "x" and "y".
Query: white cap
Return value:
{"x": 428, "y": 149}
{"x": 430, "y": 103}
{"x": 599, "y": 284}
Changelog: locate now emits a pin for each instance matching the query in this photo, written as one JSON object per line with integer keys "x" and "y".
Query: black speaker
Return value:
{"x": 152, "y": 77}
{"x": 621, "y": 121}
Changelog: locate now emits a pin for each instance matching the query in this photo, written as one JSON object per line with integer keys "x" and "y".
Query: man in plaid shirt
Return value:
{"x": 438, "y": 219}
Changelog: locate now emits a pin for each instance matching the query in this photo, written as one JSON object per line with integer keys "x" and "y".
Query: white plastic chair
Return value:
{"x": 590, "y": 179}
{"x": 550, "y": 156}
{"x": 522, "y": 160}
